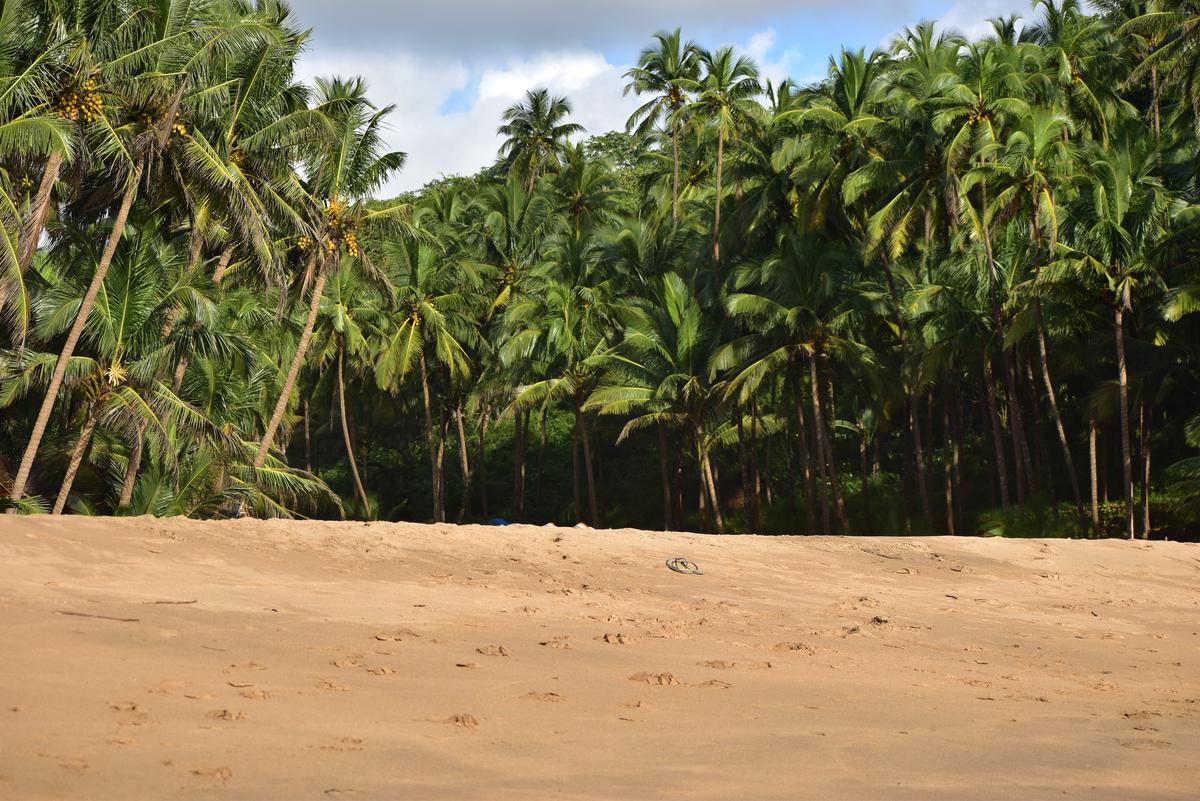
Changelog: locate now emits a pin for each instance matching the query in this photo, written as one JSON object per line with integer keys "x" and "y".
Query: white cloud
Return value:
{"x": 971, "y": 17}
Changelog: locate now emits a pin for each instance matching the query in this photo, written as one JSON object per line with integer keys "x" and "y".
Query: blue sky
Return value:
{"x": 451, "y": 66}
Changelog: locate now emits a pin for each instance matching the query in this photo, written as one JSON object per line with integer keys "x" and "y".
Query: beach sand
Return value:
{"x": 174, "y": 659}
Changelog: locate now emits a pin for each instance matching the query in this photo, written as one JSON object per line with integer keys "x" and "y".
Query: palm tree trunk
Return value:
{"x": 989, "y": 386}
{"x": 947, "y": 460}
{"x": 707, "y": 482}
{"x": 914, "y": 420}
{"x": 131, "y": 470}
{"x": 576, "y": 483}
{"x": 519, "y": 434}
{"x": 1052, "y": 397}
{"x": 222, "y": 264}
{"x": 865, "y": 470}
{"x": 581, "y": 421}
{"x": 675, "y": 172}
{"x": 431, "y": 441}
{"x": 289, "y": 382}
{"x": 1095, "y": 483}
{"x": 1123, "y": 386}
{"x": 541, "y": 462}
{"x": 180, "y": 371}
{"x": 666, "y": 476}
{"x": 463, "y": 462}
{"x": 358, "y": 486}
{"x": 40, "y": 212}
{"x": 308, "y": 465}
{"x": 755, "y": 476}
{"x": 826, "y": 440}
{"x": 716, "y": 244}
{"x": 481, "y": 460}
{"x": 68, "y": 349}
{"x": 810, "y": 484}
{"x": 81, "y": 446}
{"x": 1145, "y": 424}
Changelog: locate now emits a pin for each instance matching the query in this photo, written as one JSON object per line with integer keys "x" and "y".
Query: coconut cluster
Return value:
{"x": 82, "y": 103}
{"x": 341, "y": 229}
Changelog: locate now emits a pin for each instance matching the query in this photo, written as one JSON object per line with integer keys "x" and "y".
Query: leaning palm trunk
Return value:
{"x": 358, "y": 485}
{"x": 289, "y": 382}
{"x": 68, "y": 350}
{"x": 131, "y": 470}
{"x": 467, "y": 474}
{"x": 81, "y": 446}
{"x": 1123, "y": 387}
{"x": 1052, "y": 396}
{"x": 40, "y": 212}
{"x": 222, "y": 264}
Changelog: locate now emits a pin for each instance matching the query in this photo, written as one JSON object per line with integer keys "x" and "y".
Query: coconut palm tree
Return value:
{"x": 536, "y": 134}
{"x": 342, "y": 171}
{"x": 669, "y": 72}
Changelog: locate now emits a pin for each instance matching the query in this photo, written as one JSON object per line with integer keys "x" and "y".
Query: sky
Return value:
{"x": 451, "y": 67}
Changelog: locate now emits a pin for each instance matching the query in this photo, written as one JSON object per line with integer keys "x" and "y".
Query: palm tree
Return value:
{"x": 1121, "y": 214}
{"x": 181, "y": 41}
{"x": 669, "y": 72}
{"x": 729, "y": 85}
{"x": 342, "y": 171}
{"x": 536, "y": 134}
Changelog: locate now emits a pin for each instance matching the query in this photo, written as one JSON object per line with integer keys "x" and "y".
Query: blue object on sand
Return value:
{"x": 497, "y": 521}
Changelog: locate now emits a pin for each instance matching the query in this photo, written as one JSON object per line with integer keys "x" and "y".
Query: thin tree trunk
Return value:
{"x": 85, "y": 308}
{"x": 180, "y": 372}
{"x": 1123, "y": 386}
{"x": 1095, "y": 483}
{"x": 464, "y": 463}
{"x": 519, "y": 433}
{"x": 914, "y": 420}
{"x": 581, "y": 421}
{"x": 358, "y": 486}
{"x": 81, "y": 446}
{"x": 666, "y": 476}
{"x": 308, "y": 465}
{"x": 576, "y": 481}
{"x": 541, "y": 463}
{"x": 289, "y": 381}
{"x": 716, "y": 244}
{"x": 481, "y": 461}
{"x": 675, "y": 172}
{"x": 810, "y": 485}
{"x": 1052, "y": 397}
{"x": 40, "y": 212}
{"x": 431, "y": 441}
{"x": 708, "y": 482}
{"x": 1145, "y": 424}
{"x": 755, "y": 477}
{"x": 131, "y": 469}
{"x": 823, "y": 433}
{"x": 222, "y": 264}
{"x": 997, "y": 434}
{"x": 948, "y": 463}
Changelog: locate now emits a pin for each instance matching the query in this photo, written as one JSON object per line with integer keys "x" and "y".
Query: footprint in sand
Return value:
{"x": 461, "y": 721}
{"x": 716, "y": 684}
{"x": 358, "y": 660}
{"x": 380, "y": 671}
{"x": 226, "y": 714}
{"x": 493, "y": 650}
{"x": 255, "y": 695}
{"x": 244, "y": 666}
{"x": 344, "y": 744}
{"x": 331, "y": 686}
{"x": 129, "y": 714}
{"x": 1144, "y": 743}
{"x": 220, "y": 774}
{"x": 397, "y": 636}
{"x": 721, "y": 664}
{"x": 800, "y": 647}
{"x": 557, "y": 642}
{"x": 616, "y": 639}
{"x": 656, "y": 679}
{"x": 552, "y": 698}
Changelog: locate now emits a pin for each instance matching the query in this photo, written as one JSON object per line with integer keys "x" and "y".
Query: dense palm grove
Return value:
{"x": 946, "y": 289}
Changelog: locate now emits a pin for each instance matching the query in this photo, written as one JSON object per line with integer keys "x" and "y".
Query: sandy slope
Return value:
{"x": 148, "y": 659}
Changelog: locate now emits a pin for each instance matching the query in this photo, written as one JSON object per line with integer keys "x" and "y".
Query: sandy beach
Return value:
{"x": 175, "y": 659}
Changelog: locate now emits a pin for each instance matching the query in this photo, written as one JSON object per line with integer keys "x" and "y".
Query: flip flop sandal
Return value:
{"x": 680, "y": 565}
